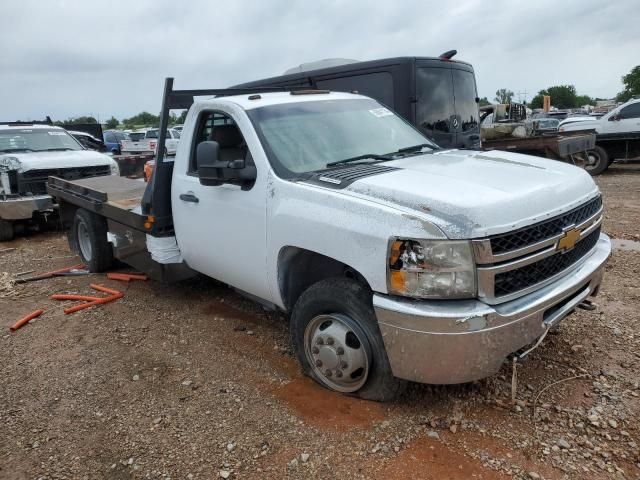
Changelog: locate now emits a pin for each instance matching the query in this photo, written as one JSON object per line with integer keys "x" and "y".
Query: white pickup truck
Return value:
{"x": 395, "y": 260}
{"x": 29, "y": 154}
{"x": 617, "y": 134}
{"x": 146, "y": 141}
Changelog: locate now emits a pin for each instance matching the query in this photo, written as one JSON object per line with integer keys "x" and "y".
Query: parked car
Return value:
{"x": 394, "y": 259}
{"x": 178, "y": 128}
{"x": 89, "y": 141}
{"x": 113, "y": 140}
{"x": 146, "y": 141}
{"x": 617, "y": 134}
{"x": 29, "y": 154}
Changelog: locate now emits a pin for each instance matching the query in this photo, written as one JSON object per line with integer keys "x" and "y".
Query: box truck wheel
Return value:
{"x": 6, "y": 230}
{"x": 597, "y": 161}
{"x": 337, "y": 340}
{"x": 90, "y": 236}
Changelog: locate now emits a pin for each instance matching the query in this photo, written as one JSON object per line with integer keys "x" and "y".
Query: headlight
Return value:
{"x": 115, "y": 170}
{"x": 561, "y": 129}
{"x": 431, "y": 269}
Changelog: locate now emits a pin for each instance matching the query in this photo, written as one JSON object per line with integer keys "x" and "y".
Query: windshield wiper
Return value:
{"x": 16, "y": 150}
{"x": 59, "y": 149}
{"x": 416, "y": 148}
{"x": 372, "y": 156}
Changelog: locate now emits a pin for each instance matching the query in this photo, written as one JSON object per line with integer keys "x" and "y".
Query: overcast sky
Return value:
{"x": 70, "y": 58}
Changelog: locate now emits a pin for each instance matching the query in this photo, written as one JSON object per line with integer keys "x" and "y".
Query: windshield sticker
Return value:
{"x": 381, "y": 112}
{"x": 56, "y": 133}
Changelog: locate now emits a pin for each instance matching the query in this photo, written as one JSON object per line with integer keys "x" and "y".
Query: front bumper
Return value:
{"x": 22, "y": 208}
{"x": 457, "y": 341}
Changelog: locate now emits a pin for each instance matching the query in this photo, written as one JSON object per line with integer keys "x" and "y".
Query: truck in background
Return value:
{"x": 145, "y": 141}
{"x": 617, "y": 134}
{"x": 437, "y": 95}
{"x": 30, "y": 152}
{"x": 394, "y": 259}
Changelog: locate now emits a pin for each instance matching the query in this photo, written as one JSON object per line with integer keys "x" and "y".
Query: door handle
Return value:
{"x": 189, "y": 197}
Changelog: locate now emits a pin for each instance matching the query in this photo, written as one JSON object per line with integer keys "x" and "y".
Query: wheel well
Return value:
{"x": 299, "y": 268}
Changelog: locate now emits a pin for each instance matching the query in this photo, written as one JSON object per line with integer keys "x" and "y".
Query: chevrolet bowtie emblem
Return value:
{"x": 569, "y": 240}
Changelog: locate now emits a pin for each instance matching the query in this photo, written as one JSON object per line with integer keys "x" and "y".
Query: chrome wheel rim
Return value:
{"x": 338, "y": 352}
{"x": 593, "y": 159}
{"x": 84, "y": 241}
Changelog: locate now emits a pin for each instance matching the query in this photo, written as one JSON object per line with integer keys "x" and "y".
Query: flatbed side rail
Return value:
{"x": 156, "y": 201}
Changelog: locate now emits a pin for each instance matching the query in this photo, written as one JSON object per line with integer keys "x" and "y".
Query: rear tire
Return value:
{"x": 7, "y": 232}
{"x": 336, "y": 338}
{"x": 90, "y": 237}
{"x": 597, "y": 161}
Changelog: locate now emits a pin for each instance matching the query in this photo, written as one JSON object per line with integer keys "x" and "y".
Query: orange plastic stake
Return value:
{"x": 23, "y": 321}
{"x": 100, "y": 301}
{"x": 125, "y": 277}
{"x": 105, "y": 289}
{"x": 42, "y": 276}
{"x": 61, "y": 296}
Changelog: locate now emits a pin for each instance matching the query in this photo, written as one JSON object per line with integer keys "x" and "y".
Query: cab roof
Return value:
{"x": 257, "y": 100}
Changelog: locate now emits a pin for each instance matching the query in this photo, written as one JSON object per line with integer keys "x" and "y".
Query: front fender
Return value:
{"x": 351, "y": 230}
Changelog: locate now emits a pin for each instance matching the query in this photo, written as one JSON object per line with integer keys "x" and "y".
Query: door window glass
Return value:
{"x": 220, "y": 128}
{"x": 435, "y": 99}
{"x": 630, "y": 111}
{"x": 464, "y": 90}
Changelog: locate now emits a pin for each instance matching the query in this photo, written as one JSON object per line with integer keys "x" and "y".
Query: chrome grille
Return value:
{"x": 35, "y": 181}
{"x": 541, "y": 231}
{"x": 532, "y": 257}
{"x": 534, "y": 273}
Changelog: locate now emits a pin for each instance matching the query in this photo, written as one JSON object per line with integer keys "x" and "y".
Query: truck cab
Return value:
{"x": 394, "y": 259}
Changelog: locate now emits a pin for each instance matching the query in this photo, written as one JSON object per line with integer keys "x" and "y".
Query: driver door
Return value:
{"x": 221, "y": 230}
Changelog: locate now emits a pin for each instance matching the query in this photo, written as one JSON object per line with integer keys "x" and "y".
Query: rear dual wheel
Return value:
{"x": 595, "y": 161}
{"x": 89, "y": 233}
{"x": 338, "y": 343}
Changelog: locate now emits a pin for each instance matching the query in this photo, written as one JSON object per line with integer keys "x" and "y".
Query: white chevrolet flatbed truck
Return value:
{"x": 29, "y": 154}
{"x": 395, "y": 260}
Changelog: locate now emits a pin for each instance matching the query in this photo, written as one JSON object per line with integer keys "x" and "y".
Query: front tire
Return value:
{"x": 90, "y": 237}
{"x": 7, "y": 231}
{"x": 338, "y": 343}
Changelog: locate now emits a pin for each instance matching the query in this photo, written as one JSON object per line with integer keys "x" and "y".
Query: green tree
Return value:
{"x": 503, "y": 95}
{"x": 142, "y": 119}
{"x": 562, "y": 96}
{"x": 483, "y": 102}
{"x": 111, "y": 123}
{"x": 631, "y": 82}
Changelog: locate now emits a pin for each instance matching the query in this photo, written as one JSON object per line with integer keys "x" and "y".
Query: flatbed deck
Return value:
{"x": 116, "y": 198}
{"x": 557, "y": 146}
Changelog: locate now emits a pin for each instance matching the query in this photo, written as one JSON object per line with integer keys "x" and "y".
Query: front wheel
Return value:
{"x": 338, "y": 343}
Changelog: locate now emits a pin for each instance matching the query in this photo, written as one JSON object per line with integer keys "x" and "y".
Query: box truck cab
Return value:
{"x": 437, "y": 95}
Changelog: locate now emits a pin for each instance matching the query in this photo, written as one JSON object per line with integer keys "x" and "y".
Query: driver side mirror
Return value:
{"x": 213, "y": 172}
{"x": 614, "y": 118}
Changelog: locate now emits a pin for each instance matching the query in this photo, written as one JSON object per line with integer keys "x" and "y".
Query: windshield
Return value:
{"x": 304, "y": 137}
{"x": 36, "y": 140}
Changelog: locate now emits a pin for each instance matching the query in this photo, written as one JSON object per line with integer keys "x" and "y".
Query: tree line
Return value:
{"x": 565, "y": 96}
{"x": 141, "y": 120}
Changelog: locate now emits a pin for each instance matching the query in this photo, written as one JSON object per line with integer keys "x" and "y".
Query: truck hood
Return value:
{"x": 579, "y": 123}
{"x": 46, "y": 160}
{"x": 470, "y": 194}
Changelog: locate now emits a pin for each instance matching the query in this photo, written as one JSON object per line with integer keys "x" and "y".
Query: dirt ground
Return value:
{"x": 192, "y": 381}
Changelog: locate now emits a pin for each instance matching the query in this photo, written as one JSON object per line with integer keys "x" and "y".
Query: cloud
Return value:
{"x": 68, "y": 58}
